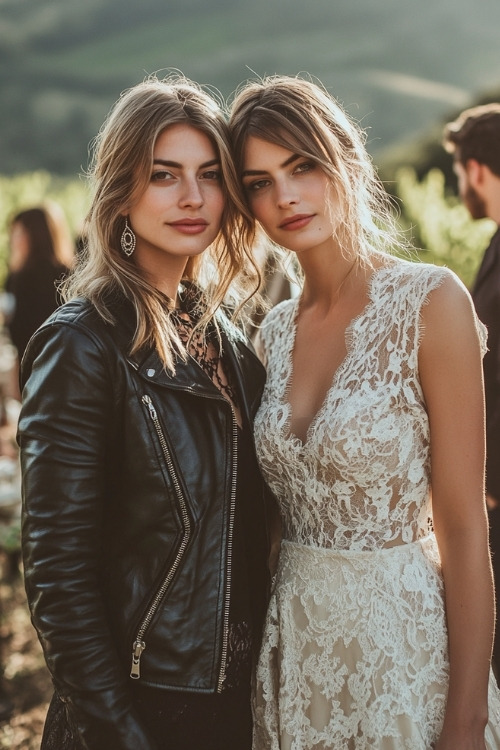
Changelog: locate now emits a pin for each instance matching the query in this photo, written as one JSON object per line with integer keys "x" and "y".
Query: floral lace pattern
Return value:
{"x": 355, "y": 645}
{"x": 204, "y": 348}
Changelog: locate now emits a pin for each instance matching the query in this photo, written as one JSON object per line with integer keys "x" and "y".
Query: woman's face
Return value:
{"x": 289, "y": 195}
{"x": 179, "y": 214}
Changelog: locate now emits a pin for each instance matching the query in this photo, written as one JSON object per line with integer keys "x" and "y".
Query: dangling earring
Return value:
{"x": 128, "y": 240}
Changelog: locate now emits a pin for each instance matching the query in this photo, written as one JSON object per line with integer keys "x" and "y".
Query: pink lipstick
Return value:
{"x": 189, "y": 226}
{"x": 296, "y": 222}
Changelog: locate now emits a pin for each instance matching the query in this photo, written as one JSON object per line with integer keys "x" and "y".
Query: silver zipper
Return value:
{"x": 139, "y": 643}
{"x": 225, "y": 626}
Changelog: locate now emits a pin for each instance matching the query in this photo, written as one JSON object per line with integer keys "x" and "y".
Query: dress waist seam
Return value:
{"x": 395, "y": 549}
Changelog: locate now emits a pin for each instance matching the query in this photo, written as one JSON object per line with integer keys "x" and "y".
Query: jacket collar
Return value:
{"x": 248, "y": 371}
{"x": 490, "y": 258}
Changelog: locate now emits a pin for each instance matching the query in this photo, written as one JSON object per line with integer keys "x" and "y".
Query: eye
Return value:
{"x": 212, "y": 174}
{"x": 162, "y": 175}
{"x": 255, "y": 185}
{"x": 305, "y": 166}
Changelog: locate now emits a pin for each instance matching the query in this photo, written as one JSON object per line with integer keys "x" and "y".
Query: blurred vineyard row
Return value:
{"x": 437, "y": 226}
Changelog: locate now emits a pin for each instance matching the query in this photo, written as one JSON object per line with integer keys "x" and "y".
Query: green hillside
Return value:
{"x": 397, "y": 65}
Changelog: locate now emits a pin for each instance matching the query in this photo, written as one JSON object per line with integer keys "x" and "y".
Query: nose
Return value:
{"x": 191, "y": 195}
{"x": 285, "y": 194}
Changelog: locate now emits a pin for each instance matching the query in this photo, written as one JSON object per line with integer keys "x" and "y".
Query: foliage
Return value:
{"x": 30, "y": 189}
{"x": 440, "y": 225}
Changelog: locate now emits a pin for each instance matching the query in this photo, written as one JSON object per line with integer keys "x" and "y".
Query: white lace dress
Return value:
{"x": 354, "y": 652}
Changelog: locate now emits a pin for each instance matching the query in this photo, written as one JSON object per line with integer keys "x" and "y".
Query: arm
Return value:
{"x": 451, "y": 377}
{"x": 64, "y": 434}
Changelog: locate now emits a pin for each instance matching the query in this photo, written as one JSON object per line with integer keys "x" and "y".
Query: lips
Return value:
{"x": 296, "y": 222}
{"x": 188, "y": 222}
{"x": 189, "y": 226}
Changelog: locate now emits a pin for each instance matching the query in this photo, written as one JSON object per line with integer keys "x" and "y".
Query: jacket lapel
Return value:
{"x": 247, "y": 370}
{"x": 490, "y": 258}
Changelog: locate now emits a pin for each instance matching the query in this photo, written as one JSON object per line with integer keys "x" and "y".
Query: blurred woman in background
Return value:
{"x": 41, "y": 254}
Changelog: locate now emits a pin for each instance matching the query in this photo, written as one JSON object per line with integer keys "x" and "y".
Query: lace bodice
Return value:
{"x": 361, "y": 479}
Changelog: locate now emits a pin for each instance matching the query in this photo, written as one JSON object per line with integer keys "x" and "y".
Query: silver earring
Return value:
{"x": 128, "y": 240}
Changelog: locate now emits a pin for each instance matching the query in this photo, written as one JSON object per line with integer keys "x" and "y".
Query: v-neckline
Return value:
{"x": 348, "y": 338}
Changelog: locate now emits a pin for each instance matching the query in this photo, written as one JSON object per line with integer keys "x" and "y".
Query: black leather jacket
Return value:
{"x": 129, "y": 487}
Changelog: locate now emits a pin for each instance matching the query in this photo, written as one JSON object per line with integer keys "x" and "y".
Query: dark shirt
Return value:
{"x": 35, "y": 298}
{"x": 486, "y": 296}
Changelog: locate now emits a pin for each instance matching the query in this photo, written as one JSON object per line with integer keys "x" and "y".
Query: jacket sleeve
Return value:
{"x": 64, "y": 433}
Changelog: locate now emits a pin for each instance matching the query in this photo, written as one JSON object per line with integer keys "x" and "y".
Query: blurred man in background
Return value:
{"x": 474, "y": 140}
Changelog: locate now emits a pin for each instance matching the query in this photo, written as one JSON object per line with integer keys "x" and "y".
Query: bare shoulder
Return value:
{"x": 447, "y": 300}
{"x": 449, "y": 320}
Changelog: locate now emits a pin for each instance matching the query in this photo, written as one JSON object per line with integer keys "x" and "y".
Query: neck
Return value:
{"x": 166, "y": 277}
{"x": 170, "y": 288}
{"x": 325, "y": 282}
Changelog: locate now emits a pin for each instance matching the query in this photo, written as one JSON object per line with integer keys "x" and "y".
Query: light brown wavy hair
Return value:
{"x": 301, "y": 116}
{"x": 120, "y": 171}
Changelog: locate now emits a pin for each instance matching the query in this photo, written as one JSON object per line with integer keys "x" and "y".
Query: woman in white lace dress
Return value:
{"x": 379, "y": 630}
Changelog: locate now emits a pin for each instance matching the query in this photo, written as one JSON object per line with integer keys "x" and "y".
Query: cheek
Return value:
{"x": 259, "y": 208}
{"x": 221, "y": 204}
{"x": 213, "y": 210}
{"x": 147, "y": 205}
{"x": 215, "y": 201}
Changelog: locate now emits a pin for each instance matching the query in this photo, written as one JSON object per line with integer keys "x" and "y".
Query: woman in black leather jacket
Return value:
{"x": 145, "y": 529}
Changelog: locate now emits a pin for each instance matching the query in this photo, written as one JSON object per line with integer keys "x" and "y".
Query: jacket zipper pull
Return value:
{"x": 137, "y": 650}
{"x": 149, "y": 404}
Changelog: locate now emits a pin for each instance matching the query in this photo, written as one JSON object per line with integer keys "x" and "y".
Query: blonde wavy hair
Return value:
{"x": 120, "y": 171}
{"x": 301, "y": 116}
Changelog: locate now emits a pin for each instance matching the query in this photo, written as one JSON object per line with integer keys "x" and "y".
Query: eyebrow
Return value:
{"x": 286, "y": 163}
{"x": 178, "y": 165}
